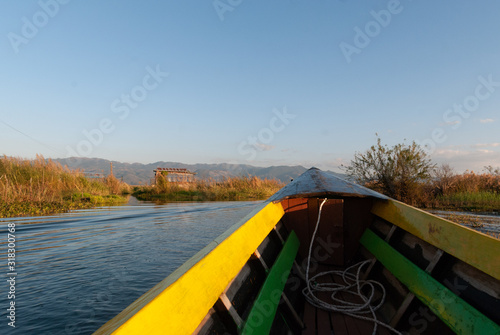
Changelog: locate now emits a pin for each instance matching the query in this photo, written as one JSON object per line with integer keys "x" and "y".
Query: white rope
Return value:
{"x": 352, "y": 284}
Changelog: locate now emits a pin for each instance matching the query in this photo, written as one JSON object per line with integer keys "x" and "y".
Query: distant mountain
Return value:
{"x": 141, "y": 174}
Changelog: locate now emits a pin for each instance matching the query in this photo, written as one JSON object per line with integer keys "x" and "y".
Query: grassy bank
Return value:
{"x": 469, "y": 191}
{"x": 471, "y": 202}
{"x": 42, "y": 187}
{"x": 231, "y": 189}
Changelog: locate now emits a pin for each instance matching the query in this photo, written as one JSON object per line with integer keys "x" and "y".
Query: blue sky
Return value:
{"x": 254, "y": 82}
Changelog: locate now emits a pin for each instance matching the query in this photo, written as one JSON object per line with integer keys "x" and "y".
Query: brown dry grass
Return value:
{"x": 238, "y": 188}
{"x": 42, "y": 186}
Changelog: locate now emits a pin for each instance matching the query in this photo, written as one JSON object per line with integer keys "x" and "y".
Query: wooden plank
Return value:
{"x": 309, "y": 319}
{"x": 323, "y": 322}
{"x": 374, "y": 259}
{"x": 354, "y": 325}
{"x": 381, "y": 226}
{"x": 283, "y": 296}
{"x": 402, "y": 309}
{"x": 409, "y": 297}
{"x": 472, "y": 247}
{"x": 231, "y": 310}
{"x": 357, "y": 218}
{"x": 455, "y": 312}
{"x": 246, "y": 287}
{"x": 296, "y": 219}
{"x": 477, "y": 279}
{"x": 292, "y": 310}
{"x": 206, "y": 324}
{"x": 262, "y": 314}
{"x": 328, "y": 247}
{"x": 180, "y": 302}
{"x": 338, "y": 323}
{"x": 298, "y": 269}
{"x": 261, "y": 260}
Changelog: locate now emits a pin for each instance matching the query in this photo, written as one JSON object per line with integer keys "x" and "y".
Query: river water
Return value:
{"x": 488, "y": 223}
{"x": 75, "y": 271}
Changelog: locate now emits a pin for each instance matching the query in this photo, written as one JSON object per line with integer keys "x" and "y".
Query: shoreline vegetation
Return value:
{"x": 405, "y": 172}
{"x": 447, "y": 191}
{"x": 42, "y": 187}
{"x": 230, "y": 189}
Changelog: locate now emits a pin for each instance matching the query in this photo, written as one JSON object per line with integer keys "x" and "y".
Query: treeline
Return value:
{"x": 40, "y": 186}
{"x": 229, "y": 189}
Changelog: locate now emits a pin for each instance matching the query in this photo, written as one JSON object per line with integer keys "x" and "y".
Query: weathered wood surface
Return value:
{"x": 315, "y": 182}
{"x": 319, "y": 321}
{"x": 472, "y": 247}
{"x": 461, "y": 317}
{"x": 409, "y": 297}
{"x": 262, "y": 314}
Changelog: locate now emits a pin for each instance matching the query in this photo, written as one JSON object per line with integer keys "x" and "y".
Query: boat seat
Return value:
{"x": 456, "y": 313}
{"x": 263, "y": 311}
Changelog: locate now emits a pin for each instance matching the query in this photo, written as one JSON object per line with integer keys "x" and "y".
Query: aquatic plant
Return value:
{"x": 40, "y": 186}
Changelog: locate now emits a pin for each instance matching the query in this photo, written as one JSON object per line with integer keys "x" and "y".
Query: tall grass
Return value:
{"x": 230, "y": 189}
{"x": 468, "y": 191}
{"x": 30, "y": 187}
{"x": 470, "y": 201}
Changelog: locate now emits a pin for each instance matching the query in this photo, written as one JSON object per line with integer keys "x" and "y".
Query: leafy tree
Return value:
{"x": 397, "y": 171}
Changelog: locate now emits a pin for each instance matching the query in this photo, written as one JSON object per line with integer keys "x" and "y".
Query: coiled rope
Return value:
{"x": 352, "y": 284}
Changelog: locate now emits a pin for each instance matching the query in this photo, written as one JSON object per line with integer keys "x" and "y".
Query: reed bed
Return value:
{"x": 479, "y": 201}
{"x": 229, "y": 189}
{"x": 469, "y": 191}
{"x": 40, "y": 186}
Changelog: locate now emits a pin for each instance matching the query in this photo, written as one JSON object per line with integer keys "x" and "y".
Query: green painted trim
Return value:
{"x": 474, "y": 248}
{"x": 263, "y": 311}
{"x": 461, "y": 317}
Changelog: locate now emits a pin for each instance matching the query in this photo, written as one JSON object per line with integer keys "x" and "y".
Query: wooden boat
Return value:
{"x": 355, "y": 263}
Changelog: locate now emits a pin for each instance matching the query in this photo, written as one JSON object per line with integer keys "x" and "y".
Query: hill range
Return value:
{"x": 141, "y": 174}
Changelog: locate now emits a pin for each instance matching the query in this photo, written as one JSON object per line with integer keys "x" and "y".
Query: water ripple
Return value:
{"x": 78, "y": 270}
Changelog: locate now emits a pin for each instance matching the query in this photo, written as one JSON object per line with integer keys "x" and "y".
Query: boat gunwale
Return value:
{"x": 451, "y": 237}
{"x": 118, "y": 324}
{"x": 445, "y": 235}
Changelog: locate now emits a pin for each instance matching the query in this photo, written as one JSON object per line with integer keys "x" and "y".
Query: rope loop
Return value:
{"x": 352, "y": 285}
